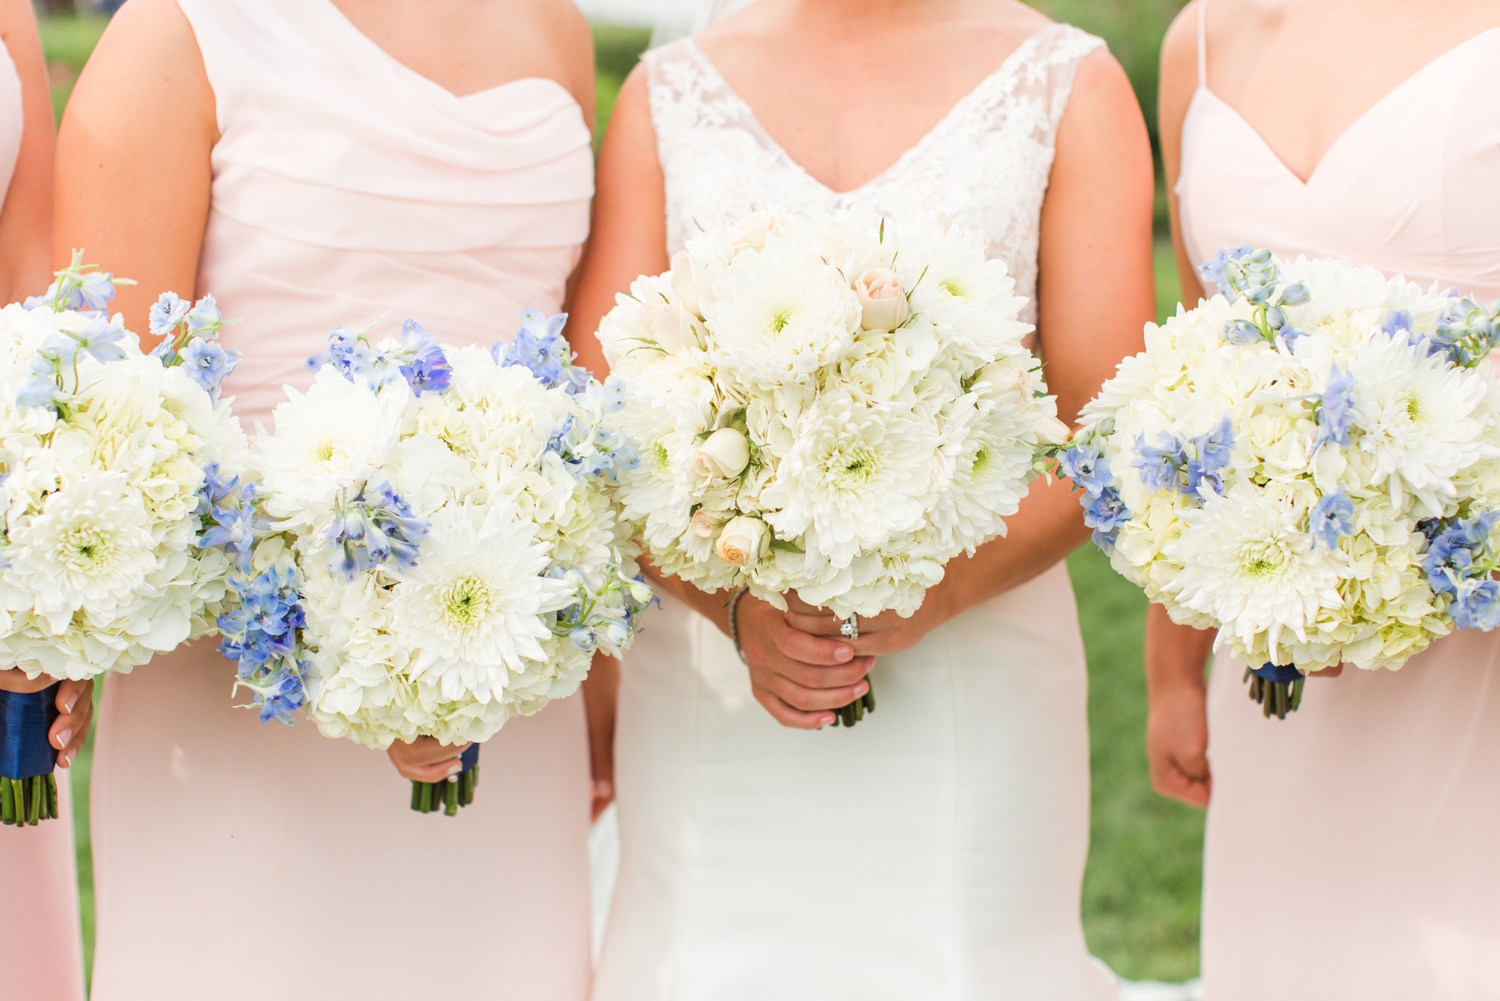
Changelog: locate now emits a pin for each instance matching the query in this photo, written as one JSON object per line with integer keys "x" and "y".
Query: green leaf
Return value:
{"x": 786, "y": 547}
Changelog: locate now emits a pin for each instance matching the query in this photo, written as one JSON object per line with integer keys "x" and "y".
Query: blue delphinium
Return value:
{"x": 418, "y": 361}
{"x": 1331, "y": 518}
{"x": 1465, "y": 332}
{"x": 55, "y": 365}
{"x": 608, "y": 616}
{"x": 540, "y": 346}
{"x": 423, "y": 364}
{"x": 1254, "y": 274}
{"x": 80, "y": 287}
{"x": 208, "y": 364}
{"x": 1191, "y": 466}
{"x": 1334, "y": 409}
{"x": 376, "y": 526}
{"x": 1103, "y": 509}
{"x": 584, "y": 442}
{"x": 262, "y": 632}
{"x": 1459, "y": 562}
{"x": 167, "y": 312}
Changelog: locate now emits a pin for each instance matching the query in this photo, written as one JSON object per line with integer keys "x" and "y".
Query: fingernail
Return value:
{"x": 860, "y": 689}
{"x": 844, "y": 652}
{"x": 63, "y": 738}
{"x": 456, "y": 767}
{"x": 71, "y": 703}
{"x": 66, "y": 759}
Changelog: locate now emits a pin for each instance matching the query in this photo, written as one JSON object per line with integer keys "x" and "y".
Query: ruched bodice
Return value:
{"x": 347, "y": 189}
{"x": 468, "y": 207}
{"x": 1344, "y": 854}
{"x": 1403, "y": 189}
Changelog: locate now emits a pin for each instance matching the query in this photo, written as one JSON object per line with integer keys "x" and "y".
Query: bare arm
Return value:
{"x": 1095, "y": 295}
{"x": 1176, "y": 656}
{"x": 26, "y": 220}
{"x": 133, "y": 170}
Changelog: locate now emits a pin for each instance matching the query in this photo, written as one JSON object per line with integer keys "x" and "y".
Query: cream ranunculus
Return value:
{"x": 740, "y": 543}
{"x": 723, "y": 456}
{"x": 882, "y": 300}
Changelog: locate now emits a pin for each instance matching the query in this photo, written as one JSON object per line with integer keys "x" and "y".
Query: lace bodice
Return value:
{"x": 984, "y": 166}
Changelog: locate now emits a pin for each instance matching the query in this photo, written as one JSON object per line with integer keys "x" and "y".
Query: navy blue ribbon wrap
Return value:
{"x": 1283, "y": 673}
{"x": 469, "y": 758}
{"x": 25, "y": 720}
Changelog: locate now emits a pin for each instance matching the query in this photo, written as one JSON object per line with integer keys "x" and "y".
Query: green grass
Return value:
{"x": 66, "y": 44}
{"x": 1142, "y": 886}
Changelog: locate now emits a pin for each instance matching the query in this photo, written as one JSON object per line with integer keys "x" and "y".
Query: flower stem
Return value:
{"x": 856, "y": 710}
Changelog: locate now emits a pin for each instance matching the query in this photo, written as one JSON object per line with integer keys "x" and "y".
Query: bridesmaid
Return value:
{"x": 41, "y": 948}
{"x": 317, "y": 162}
{"x": 1350, "y": 849}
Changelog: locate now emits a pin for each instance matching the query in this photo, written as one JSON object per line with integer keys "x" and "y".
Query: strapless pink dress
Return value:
{"x": 1352, "y": 849}
{"x": 236, "y": 860}
{"x": 41, "y": 943}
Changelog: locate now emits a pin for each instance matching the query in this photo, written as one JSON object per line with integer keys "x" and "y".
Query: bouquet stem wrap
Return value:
{"x": 1277, "y": 688}
{"x": 451, "y": 794}
{"x": 28, "y": 791}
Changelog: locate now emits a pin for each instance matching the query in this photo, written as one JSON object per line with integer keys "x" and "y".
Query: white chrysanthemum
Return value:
{"x": 1419, "y": 417}
{"x": 326, "y": 440}
{"x": 969, "y": 298}
{"x": 855, "y": 476}
{"x": 472, "y": 606}
{"x": 781, "y": 314}
{"x": 1248, "y": 564}
{"x": 88, "y": 550}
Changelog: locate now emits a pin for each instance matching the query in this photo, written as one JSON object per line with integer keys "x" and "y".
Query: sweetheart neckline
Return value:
{"x": 1353, "y": 127}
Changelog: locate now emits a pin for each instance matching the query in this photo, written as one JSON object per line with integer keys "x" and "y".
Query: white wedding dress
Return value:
{"x": 936, "y": 850}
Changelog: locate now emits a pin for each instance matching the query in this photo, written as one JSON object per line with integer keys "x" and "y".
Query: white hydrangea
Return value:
{"x": 859, "y": 391}
{"x": 1308, "y": 462}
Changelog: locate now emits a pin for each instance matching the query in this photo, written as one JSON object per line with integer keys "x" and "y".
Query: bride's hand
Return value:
{"x": 880, "y": 635}
{"x": 75, "y": 704}
{"x": 799, "y": 678}
{"x": 426, "y": 760}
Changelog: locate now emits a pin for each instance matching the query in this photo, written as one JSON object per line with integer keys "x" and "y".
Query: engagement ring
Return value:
{"x": 850, "y": 628}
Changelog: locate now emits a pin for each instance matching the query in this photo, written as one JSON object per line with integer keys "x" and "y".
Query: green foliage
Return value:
{"x": 616, "y": 51}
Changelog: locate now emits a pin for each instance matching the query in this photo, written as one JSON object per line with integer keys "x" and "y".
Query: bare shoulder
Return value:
{"x": 16, "y": 20}
{"x": 146, "y": 66}
{"x": 573, "y": 41}
{"x": 1101, "y": 88}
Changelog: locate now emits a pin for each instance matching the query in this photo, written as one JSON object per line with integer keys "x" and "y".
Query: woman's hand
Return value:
{"x": 75, "y": 703}
{"x": 427, "y": 760}
{"x": 1177, "y": 745}
{"x": 798, "y": 677}
{"x": 880, "y": 635}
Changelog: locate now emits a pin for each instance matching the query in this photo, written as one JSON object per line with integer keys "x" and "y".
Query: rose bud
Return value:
{"x": 682, "y": 283}
{"x": 723, "y": 456}
{"x": 882, "y": 301}
{"x": 739, "y": 543}
{"x": 705, "y": 523}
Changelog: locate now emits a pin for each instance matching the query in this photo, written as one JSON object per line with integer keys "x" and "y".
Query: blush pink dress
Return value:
{"x": 41, "y": 943}
{"x": 1352, "y": 849}
{"x": 236, "y": 860}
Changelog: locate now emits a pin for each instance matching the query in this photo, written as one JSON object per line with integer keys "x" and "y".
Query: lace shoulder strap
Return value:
{"x": 1034, "y": 83}
{"x": 687, "y": 95}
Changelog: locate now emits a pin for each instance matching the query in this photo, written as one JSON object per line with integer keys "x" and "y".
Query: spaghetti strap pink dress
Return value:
{"x": 1352, "y": 849}
{"x": 41, "y": 943}
{"x": 240, "y": 861}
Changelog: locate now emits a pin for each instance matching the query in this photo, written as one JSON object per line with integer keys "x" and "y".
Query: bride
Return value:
{"x": 935, "y": 850}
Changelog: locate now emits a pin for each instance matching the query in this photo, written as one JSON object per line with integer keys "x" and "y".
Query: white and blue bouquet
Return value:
{"x": 1308, "y": 462}
{"x": 431, "y": 544}
{"x": 103, "y": 459}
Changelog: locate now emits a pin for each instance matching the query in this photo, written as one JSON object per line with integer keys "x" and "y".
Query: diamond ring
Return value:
{"x": 850, "y": 628}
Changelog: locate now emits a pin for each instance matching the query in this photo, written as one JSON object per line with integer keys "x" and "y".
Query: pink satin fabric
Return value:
{"x": 237, "y": 860}
{"x": 1351, "y": 848}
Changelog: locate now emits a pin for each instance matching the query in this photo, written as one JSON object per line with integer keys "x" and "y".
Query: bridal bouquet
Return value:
{"x": 432, "y": 546}
{"x": 1308, "y": 462}
{"x": 102, "y": 458}
{"x": 828, "y": 407}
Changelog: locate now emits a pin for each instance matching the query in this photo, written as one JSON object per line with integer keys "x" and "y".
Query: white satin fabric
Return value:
{"x": 936, "y": 850}
{"x": 1350, "y": 849}
{"x": 237, "y": 861}
{"x": 41, "y": 943}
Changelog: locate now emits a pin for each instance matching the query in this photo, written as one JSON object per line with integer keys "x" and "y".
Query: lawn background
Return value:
{"x": 1141, "y": 889}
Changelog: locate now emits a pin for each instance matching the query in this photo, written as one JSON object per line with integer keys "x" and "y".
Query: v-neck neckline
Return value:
{"x": 1353, "y": 127}
{"x": 353, "y": 30}
{"x": 910, "y": 153}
